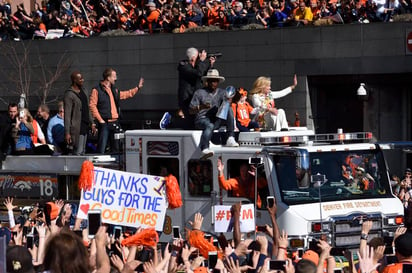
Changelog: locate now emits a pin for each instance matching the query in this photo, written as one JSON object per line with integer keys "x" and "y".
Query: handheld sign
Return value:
{"x": 126, "y": 199}
{"x": 224, "y": 220}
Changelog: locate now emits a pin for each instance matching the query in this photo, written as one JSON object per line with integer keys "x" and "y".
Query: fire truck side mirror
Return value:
{"x": 318, "y": 180}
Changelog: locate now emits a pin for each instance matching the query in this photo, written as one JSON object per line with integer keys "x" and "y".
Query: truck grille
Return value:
{"x": 347, "y": 230}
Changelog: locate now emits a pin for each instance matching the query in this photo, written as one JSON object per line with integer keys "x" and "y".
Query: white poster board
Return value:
{"x": 126, "y": 199}
{"x": 224, "y": 221}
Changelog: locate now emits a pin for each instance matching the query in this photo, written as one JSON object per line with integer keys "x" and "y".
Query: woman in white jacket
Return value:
{"x": 263, "y": 98}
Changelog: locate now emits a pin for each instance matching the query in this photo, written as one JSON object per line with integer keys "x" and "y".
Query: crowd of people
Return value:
{"x": 49, "y": 238}
{"x": 403, "y": 188}
{"x": 85, "y": 18}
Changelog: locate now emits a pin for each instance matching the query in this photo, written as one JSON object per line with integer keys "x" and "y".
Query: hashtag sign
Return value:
{"x": 220, "y": 215}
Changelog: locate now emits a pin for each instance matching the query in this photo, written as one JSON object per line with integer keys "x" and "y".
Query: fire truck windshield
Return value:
{"x": 344, "y": 175}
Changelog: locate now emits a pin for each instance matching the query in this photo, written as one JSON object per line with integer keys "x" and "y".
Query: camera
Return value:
{"x": 216, "y": 55}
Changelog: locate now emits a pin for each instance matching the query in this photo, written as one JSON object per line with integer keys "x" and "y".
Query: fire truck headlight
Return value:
{"x": 394, "y": 221}
{"x": 320, "y": 227}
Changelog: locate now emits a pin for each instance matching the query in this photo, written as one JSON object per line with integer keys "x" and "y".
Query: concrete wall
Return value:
{"x": 359, "y": 51}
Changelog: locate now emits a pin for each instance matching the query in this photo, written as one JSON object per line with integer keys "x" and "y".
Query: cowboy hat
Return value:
{"x": 213, "y": 74}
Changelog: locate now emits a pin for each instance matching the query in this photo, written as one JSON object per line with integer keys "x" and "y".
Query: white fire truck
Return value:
{"x": 323, "y": 184}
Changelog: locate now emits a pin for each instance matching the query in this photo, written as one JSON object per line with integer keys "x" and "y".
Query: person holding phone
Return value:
{"x": 403, "y": 252}
{"x": 244, "y": 184}
{"x": 22, "y": 131}
{"x": 67, "y": 244}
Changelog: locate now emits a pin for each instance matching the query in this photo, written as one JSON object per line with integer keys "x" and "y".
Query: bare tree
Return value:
{"x": 49, "y": 76}
{"x": 19, "y": 72}
{"x": 16, "y": 69}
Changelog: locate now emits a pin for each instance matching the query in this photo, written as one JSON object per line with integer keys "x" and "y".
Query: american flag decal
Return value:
{"x": 162, "y": 148}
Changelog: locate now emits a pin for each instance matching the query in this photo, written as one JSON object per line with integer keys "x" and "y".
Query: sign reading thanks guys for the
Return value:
{"x": 127, "y": 199}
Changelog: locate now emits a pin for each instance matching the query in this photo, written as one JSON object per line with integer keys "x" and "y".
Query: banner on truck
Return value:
{"x": 224, "y": 220}
{"x": 127, "y": 199}
{"x": 23, "y": 185}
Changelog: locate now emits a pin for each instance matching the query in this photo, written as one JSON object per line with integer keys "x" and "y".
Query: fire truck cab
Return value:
{"x": 323, "y": 184}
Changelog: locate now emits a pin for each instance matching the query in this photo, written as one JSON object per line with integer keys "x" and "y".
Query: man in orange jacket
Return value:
{"x": 153, "y": 16}
{"x": 244, "y": 184}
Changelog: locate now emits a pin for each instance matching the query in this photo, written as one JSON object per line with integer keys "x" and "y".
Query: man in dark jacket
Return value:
{"x": 7, "y": 122}
{"x": 191, "y": 71}
{"x": 77, "y": 118}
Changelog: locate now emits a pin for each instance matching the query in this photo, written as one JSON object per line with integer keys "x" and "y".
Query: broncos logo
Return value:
{"x": 23, "y": 186}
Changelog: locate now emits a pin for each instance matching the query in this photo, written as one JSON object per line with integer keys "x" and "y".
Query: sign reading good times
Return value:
{"x": 127, "y": 199}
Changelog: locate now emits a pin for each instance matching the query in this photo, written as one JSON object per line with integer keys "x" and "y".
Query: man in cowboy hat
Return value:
{"x": 205, "y": 104}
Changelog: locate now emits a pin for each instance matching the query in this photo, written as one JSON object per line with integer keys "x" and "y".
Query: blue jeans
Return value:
{"x": 252, "y": 125}
{"x": 106, "y": 133}
{"x": 209, "y": 124}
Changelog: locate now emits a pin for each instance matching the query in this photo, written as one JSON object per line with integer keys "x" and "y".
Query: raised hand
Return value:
{"x": 8, "y": 202}
{"x": 197, "y": 223}
{"x": 366, "y": 261}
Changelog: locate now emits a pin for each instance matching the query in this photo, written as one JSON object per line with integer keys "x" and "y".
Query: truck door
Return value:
{"x": 237, "y": 170}
{"x": 200, "y": 192}
{"x": 162, "y": 156}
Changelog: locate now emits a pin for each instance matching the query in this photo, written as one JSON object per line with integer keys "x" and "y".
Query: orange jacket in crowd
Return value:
{"x": 395, "y": 268}
{"x": 153, "y": 18}
{"x": 240, "y": 190}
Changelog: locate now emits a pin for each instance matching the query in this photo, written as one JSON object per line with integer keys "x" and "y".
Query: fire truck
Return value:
{"x": 322, "y": 183}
